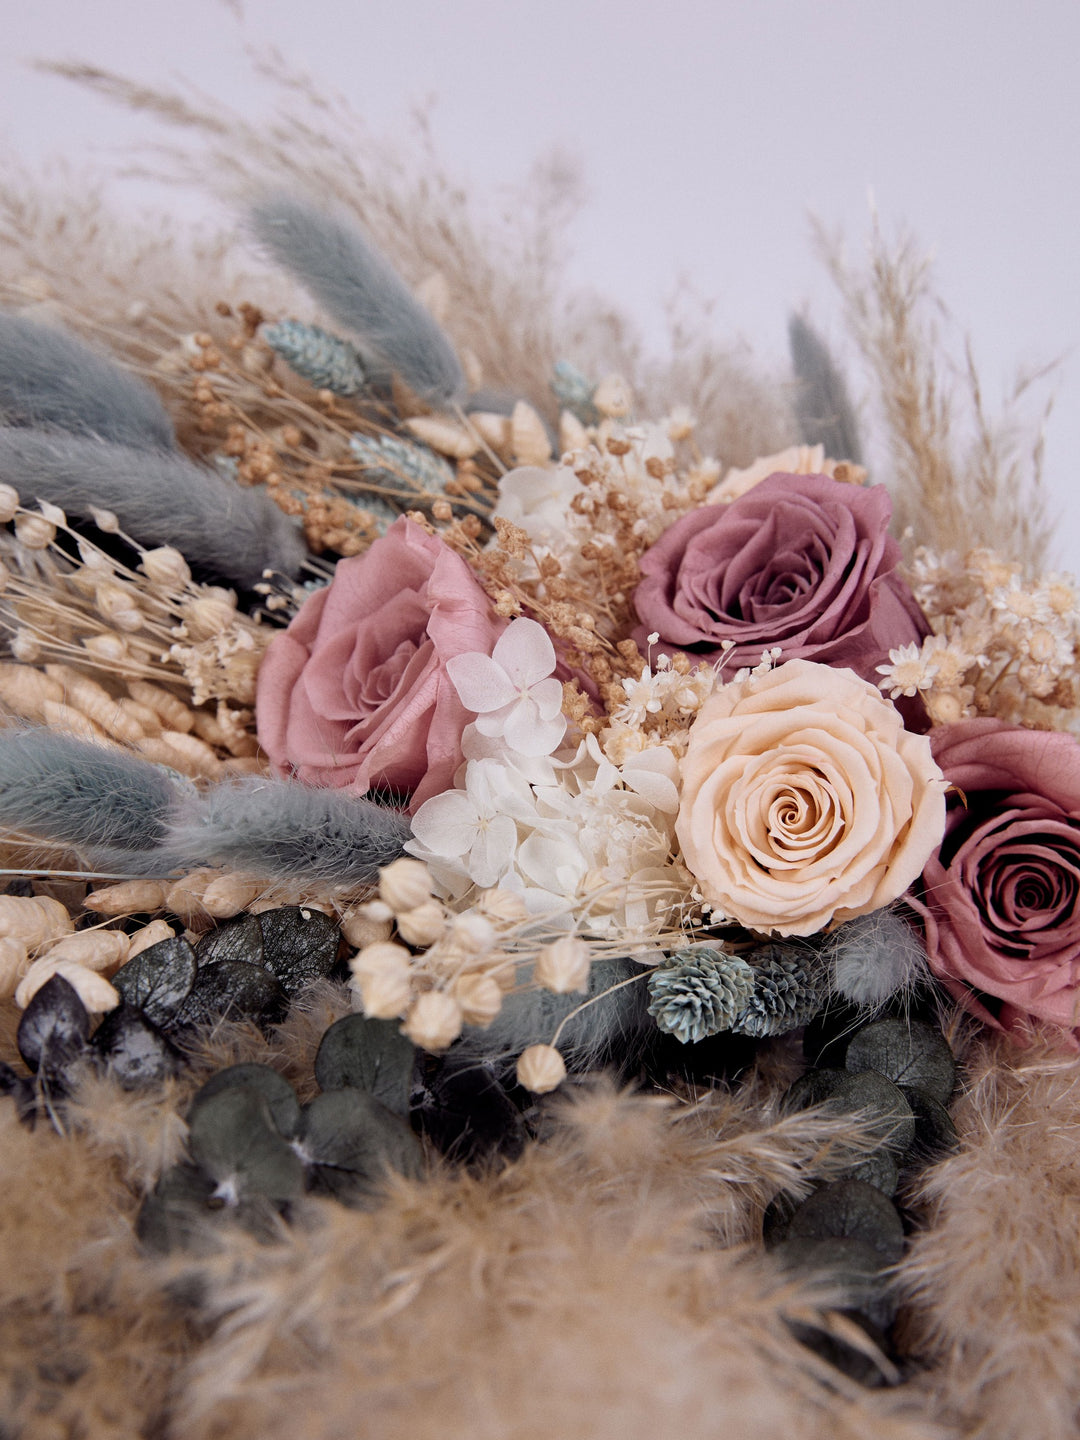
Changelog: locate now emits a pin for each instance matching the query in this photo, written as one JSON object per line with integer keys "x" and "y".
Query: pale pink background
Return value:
{"x": 705, "y": 133}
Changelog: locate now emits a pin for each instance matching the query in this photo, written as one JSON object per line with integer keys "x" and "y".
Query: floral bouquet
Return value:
{"x": 391, "y": 744}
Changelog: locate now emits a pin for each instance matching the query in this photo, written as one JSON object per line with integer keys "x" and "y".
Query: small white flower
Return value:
{"x": 476, "y": 826}
{"x": 509, "y": 690}
{"x": 908, "y": 671}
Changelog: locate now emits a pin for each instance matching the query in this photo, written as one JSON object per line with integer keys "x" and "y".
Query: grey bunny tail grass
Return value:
{"x": 826, "y": 414}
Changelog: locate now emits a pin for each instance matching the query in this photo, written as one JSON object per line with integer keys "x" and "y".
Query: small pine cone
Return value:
{"x": 787, "y": 991}
{"x": 699, "y": 993}
{"x": 318, "y": 357}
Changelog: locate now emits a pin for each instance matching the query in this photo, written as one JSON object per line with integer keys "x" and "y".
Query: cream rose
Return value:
{"x": 805, "y": 801}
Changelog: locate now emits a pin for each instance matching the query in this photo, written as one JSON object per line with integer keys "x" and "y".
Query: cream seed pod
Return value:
{"x": 9, "y": 503}
{"x": 174, "y": 714}
{"x": 128, "y": 897}
{"x": 119, "y": 605}
{"x": 424, "y": 925}
{"x": 34, "y": 531}
{"x": 25, "y": 646}
{"x": 108, "y": 646}
{"x": 24, "y": 690}
{"x": 541, "y": 1069}
{"x": 208, "y": 616}
{"x": 473, "y": 933}
{"x": 434, "y": 1021}
{"x": 382, "y": 976}
{"x": 185, "y": 897}
{"x": 502, "y": 907}
{"x": 404, "y": 884}
{"x": 563, "y": 966}
{"x": 34, "y": 920}
{"x": 572, "y": 433}
{"x": 166, "y": 567}
{"x": 613, "y": 397}
{"x": 445, "y": 436}
{"x": 494, "y": 430}
{"x": 151, "y": 934}
{"x": 14, "y": 963}
{"x": 480, "y": 998}
{"x": 361, "y": 928}
{"x": 229, "y": 894}
{"x": 529, "y": 441}
{"x": 100, "y": 950}
{"x": 95, "y": 992}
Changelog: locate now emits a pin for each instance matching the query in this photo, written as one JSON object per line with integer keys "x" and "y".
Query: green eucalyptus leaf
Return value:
{"x": 232, "y": 1137}
{"x": 370, "y": 1055}
{"x": 935, "y": 1133}
{"x": 176, "y": 1214}
{"x": 777, "y": 1218}
{"x": 274, "y": 1088}
{"x": 299, "y": 945}
{"x": 350, "y": 1141}
{"x": 134, "y": 1052}
{"x": 883, "y": 1104}
{"x": 240, "y": 938}
{"x": 54, "y": 1028}
{"x": 850, "y": 1210}
{"x": 812, "y": 1088}
{"x": 908, "y": 1052}
{"x": 848, "y": 1267}
{"x": 878, "y": 1169}
{"x": 159, "y": 979}
{"x": 234, "y": 989}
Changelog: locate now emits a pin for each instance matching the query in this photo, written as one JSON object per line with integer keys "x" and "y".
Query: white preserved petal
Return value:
{"x": 525, "y": 652}
{"x": 447, "y": 824}
{"x": 481, "y": 682}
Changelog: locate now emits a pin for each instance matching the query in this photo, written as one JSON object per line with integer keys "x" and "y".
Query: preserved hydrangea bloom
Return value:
{"x": 805, "y": 800}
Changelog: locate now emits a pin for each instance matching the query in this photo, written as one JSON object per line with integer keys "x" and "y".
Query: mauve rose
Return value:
{"x": 1001, "y": 901}
{"x": 355, "y": 692}
{"x": 800, "y": 561}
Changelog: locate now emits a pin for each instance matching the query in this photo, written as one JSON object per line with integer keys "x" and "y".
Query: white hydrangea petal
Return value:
{"x": 553, "y": 862}
{"x": 493, "y": 853}
{"x": 547, "y": 696}
{"x": 528, "y": 734}
{"x": 481, "y": 682}
{"x": 525, "y": 652}
{"x": 446, "y": 824}
{"x": 658, "y": 790}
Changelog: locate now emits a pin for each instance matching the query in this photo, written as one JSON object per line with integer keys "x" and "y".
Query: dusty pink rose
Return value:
{"x": 800, "y": 561}
{"x": 1001, "y": 902}
{"x": 355, "y": 692}
{"x": 804, "y": 800}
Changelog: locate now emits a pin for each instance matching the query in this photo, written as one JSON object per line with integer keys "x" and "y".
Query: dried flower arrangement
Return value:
{"x": 404, "y": 724}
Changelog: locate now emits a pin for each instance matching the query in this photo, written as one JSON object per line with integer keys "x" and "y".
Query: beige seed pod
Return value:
{"x": 107, "y": 646}
{"x": 207, "y": 617}
{"x": 56, "y": 919}
{"x": 382, "y": 976}
{"x": 502, "y": 906}
{"x": 101, "y": 950}
{"x": 151, "y": 934}
{"x": 572, "y": 433}
{"x": 444, "y": 435}
{"x": 147, "y": 722}
{"x": 473, "y": 933}
{"x": 25, "y": 690}
{"x": 173, "y": 712}
{"x": 404, "y": 884}
{"x": 105, "y": 520}
{"x": 229, "y": 894}
{"x": 14, "y": 963}
{"x": 424, "y": 925}
{"x": 480, "y": 998}
{"x": 166, "y": 567}
{"x": 541, "y": 1069}
{"x": 613, "y": 397}
{"x": 529, "y": 443}
{"x": 95, "y": 992}
{"x": 52, "y": 513}
{"x": 360, "y": 928}
{"x": 434, "y": 1020}
{"x": 119, "y": 605}
{"x": 185, "y": 897}
{"x": 563, "y": 966}
{"x": 34, "y": 531}
{"x": 9, "y": 503}
{"x": 95, "y": 702}
{"x": 128, "y": 897}
{"x": 494, "y": 430}
{"x": 163, "y": 749}
{"x": 25, "y": 646}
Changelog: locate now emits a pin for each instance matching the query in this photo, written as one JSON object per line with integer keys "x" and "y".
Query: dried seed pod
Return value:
{"x": 404, "y": 884}
{"x": 166, "y": 567}
{"x": 360, "y": 928}
{"x": 434, "y": 1020}
{"x": 14, "y": 963}
{"x": 173, "y": 712}
{"x": 145, "y": 719}
{"x": 541, "y": 1069}
{"x": 208, "y": 616}
{"x": 72, "y": 722}
{"x": 229, "y": 894}
{"x": 424, "y": 925}
{"x": 101, "y": 950}
{"x": 94, "y": 701}
{"x": 107, "y": 646}
{"x": 502, "y": 906}
{"x": 444, "y": 435}
{"x": 95, "y": 992}
{"x": 181, "y": 752}
{"x": 563, "y": 966}
{"x": 25, "y": 646}
{"x": 529, "y": 441}
{"x": 128, "y": 897}
{"x": 480, "y": 998}
{"x": 24, "y": 690}
{"x": 185, "y": 897}
{"x": 119, "y": 605}
{"x": 57, "y": 921}
{"x": 382, "y": 975}
{"x": 151, "y": 934}
{"x": 9, "y": 503}
{"x": 572, "y": 433}
{"x": 34, "y": 531}
{"x": 494, "y": 430}
{"x": 613, "y": 397}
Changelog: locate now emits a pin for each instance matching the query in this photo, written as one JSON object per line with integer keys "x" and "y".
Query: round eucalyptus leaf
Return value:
{"x": 883, "y": 1105}
{"x": 466, "y": 1113}
{"x": 240, "y": 938}
{"x": 299, "y": 945}
{"x": 370, "y": 1055}
{"x": 176, "y": 1214}
{"x": 236, "y": 990}
{"x": 134, "y": 1052}
{"x": 232, "y": 1137}
{"x": 878, "y": 1169}
{"x": 849, "y": 1268}
{"x": 54, "y": 1027}
{"x": 159, "y": 979}
{"x": 777, "y": 1218}
{"x": 274, "y": 1088}
{"x": 908, "y": 1052}
{"x": 812, "y": 1088}
{"x": 935, "y": 1133}
{"x": 853, "y": 1361}
{"x": 350, "y": 1141}
{"x": 850, "y": 1210}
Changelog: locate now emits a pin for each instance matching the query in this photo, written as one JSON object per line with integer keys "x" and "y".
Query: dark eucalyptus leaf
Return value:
{"x": 21, "y": 1089}
{"x": 350, "y": 1141}
{"x": 232, "y": 1137}
{"x": 465, "y": 1112}
{"x": 881, "y": 1102}
{"x": 274, "y": 1088}
{"x": 850, "y": 1210}
{"x": 234, "y": 989}
{"x": 872, "y": 1367}
{"x": 159, "y": 980}
{"x": 812, "y": 1088}
{"x": 878, "y": 1169}
{"x": 370, "y": 1055}
{"x": 850, "y": 1268}
{"x": 777, "y": 1218}
{"x": 54, "y": 1027}
{"x": 299, "y": 945}
{"x": 134, "y": 1052}
{"x": 240, "y": 938}
{"x": 908, "y": 1052}
{"x": 935, "y": 1133}
{"x": 176, "y": 1214}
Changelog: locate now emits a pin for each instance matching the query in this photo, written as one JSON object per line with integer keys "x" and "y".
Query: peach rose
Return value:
{"x": 805, "y": 801}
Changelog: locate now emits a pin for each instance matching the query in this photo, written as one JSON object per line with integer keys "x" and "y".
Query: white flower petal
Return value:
{"x": 482, "y": 684}
{"x": 525, "y": 732}
{"x": 493, "y": 854}
{"x": 525, "y": 652}
{"x": 446, "y": 824}
{"x": 547, "y": 697}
